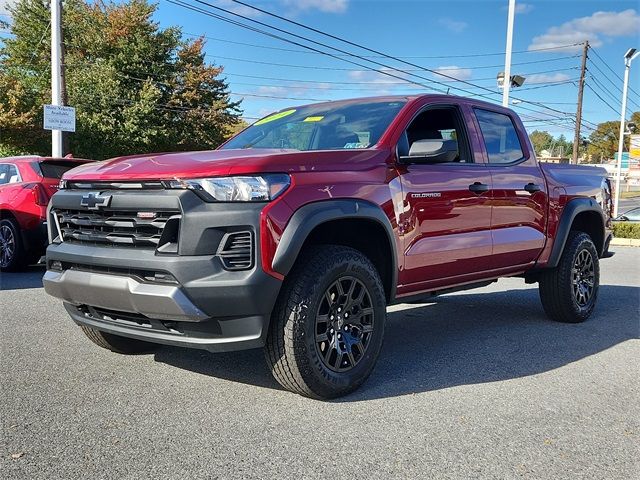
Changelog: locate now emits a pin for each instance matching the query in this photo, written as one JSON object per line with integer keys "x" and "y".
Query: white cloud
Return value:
{"x": 376, "y": 77}
{"x": 268, "y": 90}
{"x": 327, "y": 6}
{"x": 521, "y": 8}
{"x": 455, "y": 26}
{"x": 592, "y": 28}
{"x": 546, "y": 78}
{"x": 236, "y": 8}
{"x": 3, "y": 8}
{"x": 459, "y": 73}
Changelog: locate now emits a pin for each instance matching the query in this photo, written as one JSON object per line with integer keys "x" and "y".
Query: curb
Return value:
{"x": 625, "y": 242}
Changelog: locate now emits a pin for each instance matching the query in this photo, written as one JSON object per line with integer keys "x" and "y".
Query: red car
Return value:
{"x": 298, "y": 232}
{"x": 26, "y": 185}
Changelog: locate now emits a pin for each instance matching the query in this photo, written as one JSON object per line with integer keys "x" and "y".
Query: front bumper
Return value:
{"x": 187, "y": 299}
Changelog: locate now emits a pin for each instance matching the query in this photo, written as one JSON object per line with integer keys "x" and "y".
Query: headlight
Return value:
{"x": 62, "y": 184}
{"x": 259, "y": 188}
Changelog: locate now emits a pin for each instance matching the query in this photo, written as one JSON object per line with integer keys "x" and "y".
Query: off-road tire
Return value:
{"x": 292, "y": 352}
{"x": 557, "y": 285}
{"x": 116, "y": 343}
{"x": 18, "y": 260}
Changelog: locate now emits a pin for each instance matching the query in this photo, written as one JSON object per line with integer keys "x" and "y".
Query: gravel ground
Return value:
{"x": 476, "y": 384}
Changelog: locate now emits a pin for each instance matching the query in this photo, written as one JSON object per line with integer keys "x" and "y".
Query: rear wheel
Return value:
{"x": 116, "y": 343}
{"x": 12, "y": 254}
{"x": 569, "y": 291}
{"x": 327, "y": 328}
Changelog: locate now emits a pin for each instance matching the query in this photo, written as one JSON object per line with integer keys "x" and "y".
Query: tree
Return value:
{"x": 603, "y": 141}
{"x": 136, "y": 88}
{"x": 541, "y": 140}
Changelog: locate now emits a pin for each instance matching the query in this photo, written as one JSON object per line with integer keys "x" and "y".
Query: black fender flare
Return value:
{"x": 569, "y": 213}
{"x": 311, "y": 215}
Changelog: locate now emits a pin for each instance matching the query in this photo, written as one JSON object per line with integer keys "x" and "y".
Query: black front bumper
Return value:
{"x": 188, "y": 298}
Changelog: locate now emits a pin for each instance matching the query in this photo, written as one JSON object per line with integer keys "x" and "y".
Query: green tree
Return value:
{"x": 541, "y": 140}
{"x": 136, "y": 88}
{"x": 603, "y": 141}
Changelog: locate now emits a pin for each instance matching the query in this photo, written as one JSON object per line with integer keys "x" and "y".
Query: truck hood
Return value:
{"x": 215, "y": 163}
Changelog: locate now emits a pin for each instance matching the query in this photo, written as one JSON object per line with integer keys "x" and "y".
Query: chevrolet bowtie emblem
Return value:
{"x": 93, "y": 200}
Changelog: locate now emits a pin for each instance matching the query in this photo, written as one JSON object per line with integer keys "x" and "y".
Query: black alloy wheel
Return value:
{"x": 583, "y": 278}
{"x": 344, "y": 324}
{"x": 7, "y": 246}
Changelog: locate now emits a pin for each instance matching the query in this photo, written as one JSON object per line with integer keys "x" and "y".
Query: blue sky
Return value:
{"x": 269, "y": 74}
{"x": 428, "y": 28}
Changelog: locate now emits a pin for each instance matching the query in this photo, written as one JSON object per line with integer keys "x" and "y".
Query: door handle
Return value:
{"x": 532, "y": 188}
{"x": 479, "y": 187}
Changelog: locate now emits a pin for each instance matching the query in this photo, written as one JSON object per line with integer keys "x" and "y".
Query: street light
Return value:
{"x": 628, "y": 58}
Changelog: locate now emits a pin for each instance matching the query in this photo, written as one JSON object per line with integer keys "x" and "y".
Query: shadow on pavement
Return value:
{"x": 458, "y": 340}
{"x": 29, "y": 278}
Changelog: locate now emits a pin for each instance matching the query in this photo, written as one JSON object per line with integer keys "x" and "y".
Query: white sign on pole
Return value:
{"x": 57, "y": 117}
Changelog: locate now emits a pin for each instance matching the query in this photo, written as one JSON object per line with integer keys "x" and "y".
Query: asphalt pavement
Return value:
{"x": 477, "y": 384}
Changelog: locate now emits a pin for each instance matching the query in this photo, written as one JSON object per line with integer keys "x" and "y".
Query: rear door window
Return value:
{"x": 9, "y": 174}
{"x": 500, "y": 137}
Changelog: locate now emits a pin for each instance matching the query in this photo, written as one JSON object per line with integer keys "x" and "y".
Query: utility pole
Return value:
{"x": 583, "y": 69}
{"x": 56, "y": 71}
{"x": 507, "y": 59}
{"x": 631, "y": 54}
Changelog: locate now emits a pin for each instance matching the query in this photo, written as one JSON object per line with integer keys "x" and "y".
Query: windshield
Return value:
{"x": 320, "y": 127}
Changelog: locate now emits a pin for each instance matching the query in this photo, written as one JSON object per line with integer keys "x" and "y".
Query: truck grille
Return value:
{"x": 236, "y": 251}
{"x": 114, "y": 228}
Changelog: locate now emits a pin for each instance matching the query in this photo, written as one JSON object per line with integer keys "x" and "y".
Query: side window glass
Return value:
{"x": 13, "y": 175}
{"x": 438, "y": 124}
{"x": 500, "y": 137}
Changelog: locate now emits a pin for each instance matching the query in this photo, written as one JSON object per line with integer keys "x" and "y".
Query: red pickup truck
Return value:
{"x": 298, "y": 232}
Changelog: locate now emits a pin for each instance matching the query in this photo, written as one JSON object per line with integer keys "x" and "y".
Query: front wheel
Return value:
{"x": 569, "y": 291}
{"x": 327, "y": 328}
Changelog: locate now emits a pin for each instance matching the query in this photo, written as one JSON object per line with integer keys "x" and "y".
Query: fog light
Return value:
{"x": 55, "y": 265}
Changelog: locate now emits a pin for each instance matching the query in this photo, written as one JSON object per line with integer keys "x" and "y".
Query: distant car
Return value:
{"x": 632, "y": 215}
{"x": 26, "y": 185}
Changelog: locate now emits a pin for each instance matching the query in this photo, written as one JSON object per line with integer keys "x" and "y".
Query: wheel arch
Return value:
{"x": 579, "y": 214}
{"x": 7, "y": 215}
{"x": 355, "y": 223}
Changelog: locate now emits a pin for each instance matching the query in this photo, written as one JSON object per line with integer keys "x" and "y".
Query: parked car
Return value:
{"x": 632, "y": 215}
{"x": 298, "y": 232}
{"x": 26, "y": 185}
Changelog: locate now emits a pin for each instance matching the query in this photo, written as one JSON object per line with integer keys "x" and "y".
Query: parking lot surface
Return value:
{"x": 478, "y": 384}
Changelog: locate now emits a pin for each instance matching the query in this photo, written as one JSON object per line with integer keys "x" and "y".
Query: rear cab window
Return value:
{"x": 500, "y": 137}
{"x": 54, "y": 169}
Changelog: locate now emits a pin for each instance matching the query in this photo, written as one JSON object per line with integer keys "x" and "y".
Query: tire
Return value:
{"x": 12, "y": 254}
{"x": 116, "y": 343}
{"x": 569, "y": 292}
{"x": 337, "y": 361}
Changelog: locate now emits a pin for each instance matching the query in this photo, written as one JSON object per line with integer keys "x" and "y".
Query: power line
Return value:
{"x": 225, "y": 19}
{"x": 613, "y": 71}
{"x": 471, "y": 55}
{"x": 437, "y": 70}
{"x": 613, "y": 83}
{"x": 234, "y": 22}
{"x": 602, "y": 99}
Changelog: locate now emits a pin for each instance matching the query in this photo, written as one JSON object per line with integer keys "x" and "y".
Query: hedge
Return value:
{"x": 626, "y": 230}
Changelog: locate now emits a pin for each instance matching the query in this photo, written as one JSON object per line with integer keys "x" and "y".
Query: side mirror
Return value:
{"x": 431, "y": 151}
